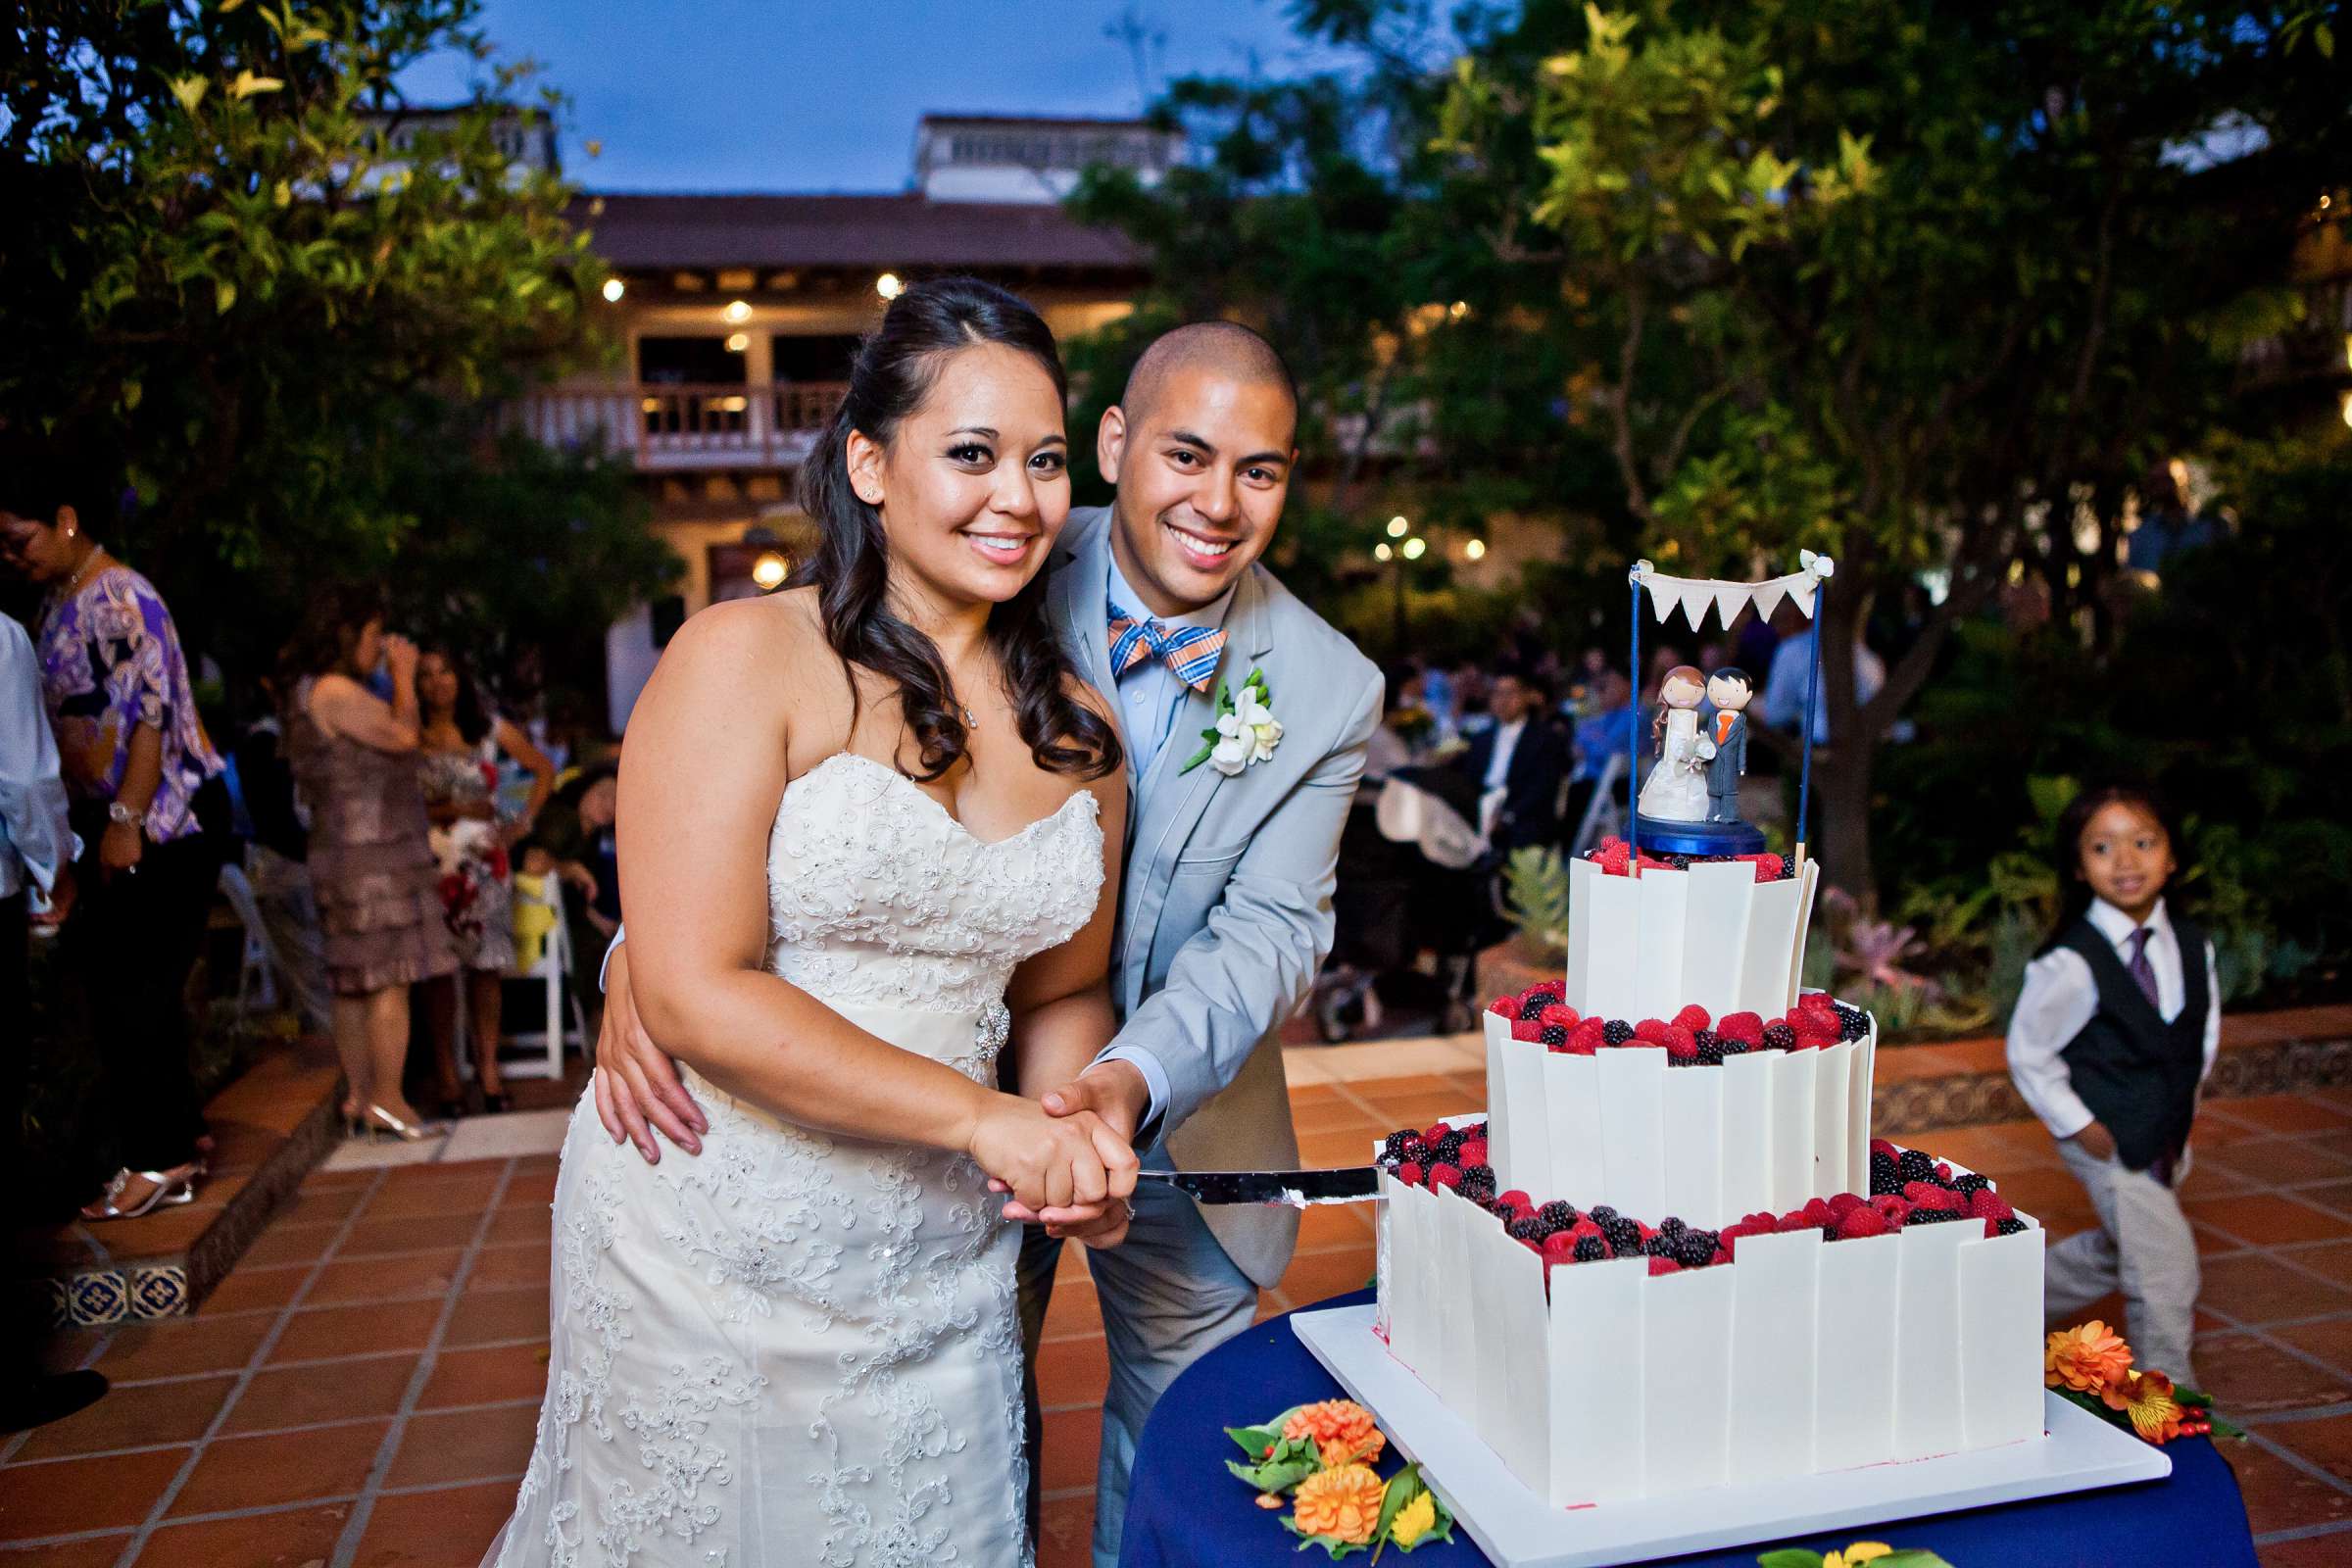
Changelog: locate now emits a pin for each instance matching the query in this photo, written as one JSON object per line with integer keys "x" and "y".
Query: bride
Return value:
{"x": 865, "y": 830}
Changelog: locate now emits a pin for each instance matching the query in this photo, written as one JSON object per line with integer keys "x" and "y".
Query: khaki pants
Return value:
{"x": 2142, "y": 1247}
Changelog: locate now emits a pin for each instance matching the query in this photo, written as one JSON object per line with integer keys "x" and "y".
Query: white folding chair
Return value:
{"x": 1604, "y": 812}
{"x": 566, "y": 1023}
{"x": 256, "y": 971}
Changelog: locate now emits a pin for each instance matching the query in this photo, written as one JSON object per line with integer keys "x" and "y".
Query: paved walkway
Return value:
{"x": 361, "y": 1389}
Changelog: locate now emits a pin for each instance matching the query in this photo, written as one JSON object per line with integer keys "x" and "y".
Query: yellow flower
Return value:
{"x": 2147, "y": 1398}
{"x": 2090, "y": 1357}
{"x": 1414, "y": 1520}
{"x": 1342, "y": 1430}
{"x": 1861, "y": 1552}
{"x": 1343, "y": 1504}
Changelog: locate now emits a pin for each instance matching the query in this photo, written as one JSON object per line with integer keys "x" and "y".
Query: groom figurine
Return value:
{"x": 1728, "y": 690}
{"x": 1225, "y": 908}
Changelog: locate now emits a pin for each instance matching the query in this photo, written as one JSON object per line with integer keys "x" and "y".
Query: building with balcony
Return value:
{"x": 735, "y": 318}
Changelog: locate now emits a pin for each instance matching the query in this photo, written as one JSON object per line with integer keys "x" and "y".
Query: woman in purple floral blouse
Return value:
{"x": 134, "y": 759}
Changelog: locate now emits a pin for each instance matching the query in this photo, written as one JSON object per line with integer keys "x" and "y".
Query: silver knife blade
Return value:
{"x": 1291, "y": 1188}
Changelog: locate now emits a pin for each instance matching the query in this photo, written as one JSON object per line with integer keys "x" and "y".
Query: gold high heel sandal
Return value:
{"x": 381, "y": 1123}
{"x": 167, "y": 1189}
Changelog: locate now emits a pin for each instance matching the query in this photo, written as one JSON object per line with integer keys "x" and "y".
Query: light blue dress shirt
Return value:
{"x": 1149, "y": 697}
{"x": 36, "y": 844}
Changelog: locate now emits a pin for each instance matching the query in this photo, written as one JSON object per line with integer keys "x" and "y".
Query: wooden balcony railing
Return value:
{"x": 671, "y": 426}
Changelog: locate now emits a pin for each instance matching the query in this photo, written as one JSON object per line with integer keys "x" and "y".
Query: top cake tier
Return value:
{"x": 1644, "y": 947}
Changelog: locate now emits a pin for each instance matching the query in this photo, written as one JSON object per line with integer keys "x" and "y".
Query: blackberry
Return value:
{"x": 1710, "y": 1047}
{"x": 2010, "y": 1226}
{"x": 1616, "y": 1032}
{"x": 1553, "y": 1035}
{"x": 1603, "y": 1215}
{"x": 1660, "y": 1246}
{"x": 1852, "y": 1022}
{"x": 1558, "y": 1215}
{"x": 1624, "y": 1237}
{"x": 1732, "y": 1047}
{"x": 1681, "y": 863}
{"x": 1693, "y": 1249}
{"x": 1672, "y": 1225}
{"x": 1778, "y": 1037}
{"x": 1929, "y": 1216}
{"x": 1401, "y": 1147}
{"x": 1917, "y": 1165}
{"x": 1530, "y": 1229}
{"x": 1970, "y": 1183}
{"x": 1448, "y": 1149}
{"x": 1478, "y": 1184}
{"x": 1532, "y": 1004}
{"x": 1590, "y": 1250}
{"x": 1886, "y": 1177}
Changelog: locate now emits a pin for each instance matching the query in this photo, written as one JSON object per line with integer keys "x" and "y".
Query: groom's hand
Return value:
{"x": 636, "y": 1083}
{"x": 1114, "y": 1092}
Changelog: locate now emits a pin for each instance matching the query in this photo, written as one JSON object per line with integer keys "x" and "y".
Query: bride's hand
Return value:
{"x": 1050, "y": 1162}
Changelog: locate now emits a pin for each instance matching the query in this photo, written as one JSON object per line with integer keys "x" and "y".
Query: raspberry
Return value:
{"x": 1517, "y": 1199}
{"x": 1916, "y": 1165}
{"x": 1589, "y": 1248}
{"x": 1559, "y": 1247}
{"x": 1860, "y": 1222}
{"x": 1474, "y": 1151}
{"x": 1990, "y": 1205}
{"x": 1553, "y": 1037}
{"x": 1559, "y": 1014}
{"x": 1747, "y": 1027}
{"x": 1558, "y": 1215}
{"x": 1812, "y": 1033}
{"x": 1661, "y": 1264}
{"x": 1616, "y": 1032}
{"x": 1587, "y": 1037}
{"x": 2010, "y": 1226}
{"x": 1614, "y": 857}
{"x": 1652, "y": 1030}
{"x": 1410, "y": 1173}
{"x": 1879, "y": 1145}
{"x": 1682, "y": 1046}
{"x": 1435, "y": 1131}
{"x": 1532, "y": 1004}
{"x": 1927, "y": 1194}
{"x": 1554, "y": 989}
{"x": 1478, "y": 1184}
{"x": 1778, "y": 1037}
{"x": 1444, "y": 1175}
{"x": 1477, "y": 1129}
{"x": 1770, "y": 868}
{"x": 1527, "y": 1029}
{"x": 1504, "y": 1007}
{"x": 1818, "y": 1211}
{"x": 1796, "y": 1219}
{"x": 1693, "y": 1018}
{"x": 1853, "y": 1022}
{"x": 1844, "y": 1203}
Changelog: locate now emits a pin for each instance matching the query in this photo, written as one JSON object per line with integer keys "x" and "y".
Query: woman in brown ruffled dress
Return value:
{"x": 356, "y": 759}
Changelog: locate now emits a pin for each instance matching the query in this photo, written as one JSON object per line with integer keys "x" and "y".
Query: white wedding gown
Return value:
{"x": 1676, "y": 790}
{"x": 798, "y": 1348}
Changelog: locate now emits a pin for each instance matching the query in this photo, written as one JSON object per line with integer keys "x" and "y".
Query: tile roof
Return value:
{"x": 879, "y": 231}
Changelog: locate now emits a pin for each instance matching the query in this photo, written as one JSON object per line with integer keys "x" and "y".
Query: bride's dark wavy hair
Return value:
{"x": 894, "y": 371}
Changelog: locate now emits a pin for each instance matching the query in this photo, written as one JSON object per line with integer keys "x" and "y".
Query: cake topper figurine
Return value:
{"x": 1676, "y": 790}
{"x": 1729, "y": 689}
{"x": 1690, "y": 802}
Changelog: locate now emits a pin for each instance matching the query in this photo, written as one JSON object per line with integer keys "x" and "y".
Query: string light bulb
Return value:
{"x": 1399, "y": 527}
{"x": 1475, "y": 550}
{"x": 888, "y": 286}
{"x": 770, "y": 569}
{"x": 614, "y": 288}
{"x": 737, "y": 311}
{"x": 1382, "y": 552}
{"x": 1414, "y": 548}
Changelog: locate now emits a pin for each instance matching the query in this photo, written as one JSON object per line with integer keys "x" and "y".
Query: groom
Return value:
{"x": 1225, "y": 907}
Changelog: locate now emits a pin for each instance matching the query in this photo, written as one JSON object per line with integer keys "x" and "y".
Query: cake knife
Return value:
{"x": 1291, "y": 1188}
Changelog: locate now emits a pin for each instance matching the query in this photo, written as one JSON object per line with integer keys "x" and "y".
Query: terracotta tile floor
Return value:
{"x": 361, "y": 1392}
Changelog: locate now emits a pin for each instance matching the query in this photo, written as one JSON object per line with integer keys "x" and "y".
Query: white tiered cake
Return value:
{"x": 1670, "y": 1254}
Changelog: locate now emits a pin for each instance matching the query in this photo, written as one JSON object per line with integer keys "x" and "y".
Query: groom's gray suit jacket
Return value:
{"x": 1225, "y": 904}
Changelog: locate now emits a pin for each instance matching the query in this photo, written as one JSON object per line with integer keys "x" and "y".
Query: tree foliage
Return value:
{"x": 289, "y": 328}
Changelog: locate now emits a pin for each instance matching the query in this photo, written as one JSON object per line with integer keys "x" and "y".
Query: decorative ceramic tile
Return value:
{"x": 99, "y": 1296}
{"x": 159, "y": 1290}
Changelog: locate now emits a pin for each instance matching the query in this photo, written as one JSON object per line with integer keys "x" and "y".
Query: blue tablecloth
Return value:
{"x": 1184, "y": 1510}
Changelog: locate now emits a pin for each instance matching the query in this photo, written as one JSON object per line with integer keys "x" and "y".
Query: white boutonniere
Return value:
{"x": 1245, "y": 731}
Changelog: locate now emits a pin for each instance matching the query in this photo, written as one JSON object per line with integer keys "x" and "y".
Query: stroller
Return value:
{"x": 1416, "y": 877}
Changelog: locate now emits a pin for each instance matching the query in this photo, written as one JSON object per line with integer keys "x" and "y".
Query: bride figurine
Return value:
{"x": 1677, "y": 788}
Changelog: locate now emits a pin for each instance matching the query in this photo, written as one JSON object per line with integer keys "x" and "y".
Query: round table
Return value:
{"x": 1184, "y": 1510}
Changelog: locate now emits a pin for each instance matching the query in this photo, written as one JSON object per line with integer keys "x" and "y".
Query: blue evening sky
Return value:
{"x": 822, "y": 95}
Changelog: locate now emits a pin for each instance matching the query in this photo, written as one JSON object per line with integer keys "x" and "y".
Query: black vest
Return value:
{"x": 2138, "y": 1073}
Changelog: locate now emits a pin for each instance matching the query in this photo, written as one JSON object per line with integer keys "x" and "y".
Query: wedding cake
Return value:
{"x": 1670, "y": 1255}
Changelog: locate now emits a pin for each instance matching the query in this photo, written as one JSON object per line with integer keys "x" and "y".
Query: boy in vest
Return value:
{"x": 2114, "y": 1033}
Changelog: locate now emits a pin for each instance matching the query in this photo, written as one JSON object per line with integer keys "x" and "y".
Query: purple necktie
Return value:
{"x": 2141, "y": 969}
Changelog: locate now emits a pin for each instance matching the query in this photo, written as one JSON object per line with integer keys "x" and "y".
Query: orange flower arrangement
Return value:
{"x": 1343, "y": 1504}
{"x": 2147, "y": 1398}
{"x": 2089, "y": 1357}
{"x": 1343, "y": 1432}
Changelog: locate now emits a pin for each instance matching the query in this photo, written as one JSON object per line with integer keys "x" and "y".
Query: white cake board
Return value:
{"x": 1517, "y": 1528}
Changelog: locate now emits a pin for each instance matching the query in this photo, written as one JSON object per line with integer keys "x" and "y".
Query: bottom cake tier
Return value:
{"x": 1603, "y": 1358}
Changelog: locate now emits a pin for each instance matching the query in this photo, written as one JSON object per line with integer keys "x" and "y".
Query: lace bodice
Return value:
{"x": 877, "y": 895}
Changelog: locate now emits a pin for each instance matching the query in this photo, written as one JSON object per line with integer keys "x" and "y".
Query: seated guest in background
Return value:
{"x": 36, "y": 868}
{"x": 1605, "y": 731}
{"x": 1520, "y": 763}
{"x": 276, "y": 854}
{"x": 355, "y": 755}
{"x": 1781, "y": 705}
{"x": 462, "y": 744}
{"x": 135, "y": 760}
{"x": 573, "y": 840}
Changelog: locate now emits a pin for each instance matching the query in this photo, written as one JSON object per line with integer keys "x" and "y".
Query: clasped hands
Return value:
{"x": 1066, "y": 1160}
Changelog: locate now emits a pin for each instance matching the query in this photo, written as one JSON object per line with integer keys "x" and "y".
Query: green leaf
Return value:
{"x": 225, "y": 295}
{"x": 132, "y": 392}
{"x": 1276, "y": 1474}
{"x": 2323, "y": 37}
{"x": 1909, "y": 1557}
{"x": 190, "y": 91}
{"x": 1790, "y": 1557}
{"x": 1331, "y": 1544}
{"x": 1400, "y": 1489}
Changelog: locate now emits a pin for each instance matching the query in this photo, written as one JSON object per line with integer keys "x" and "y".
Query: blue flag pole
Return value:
{"x": 1805, "y": 776}
{"x": 1633, "y": 738}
